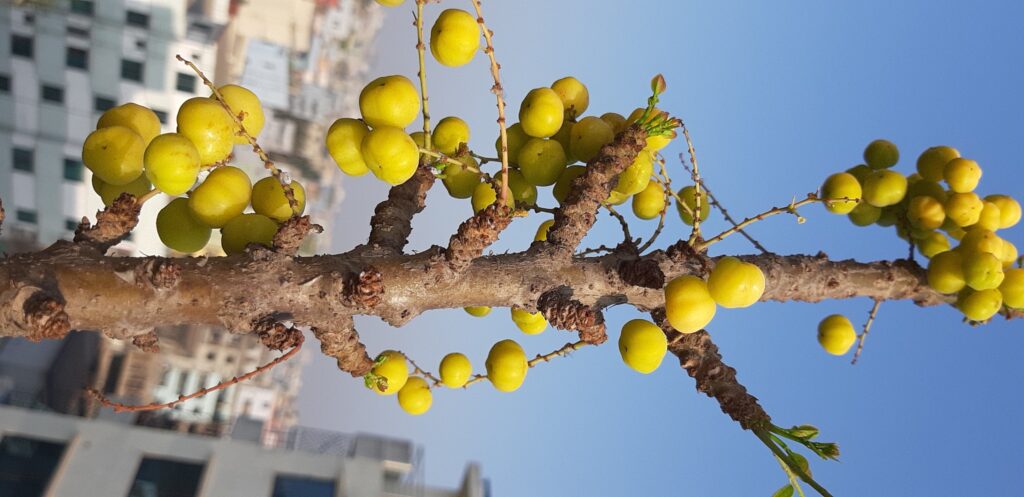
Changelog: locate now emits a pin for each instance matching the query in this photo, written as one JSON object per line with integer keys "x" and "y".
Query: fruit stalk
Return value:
{"x": 499, "y": 94}
{"x": 421, "y": 49}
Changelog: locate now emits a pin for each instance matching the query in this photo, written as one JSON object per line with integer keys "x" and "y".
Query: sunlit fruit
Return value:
{"x": 836, "y": 334}
{"x": 530, "y": 323}
{"x": 649, "y": 203}
{"x": 654, "y": 143}
{"x": 506, "y": 366}
{"x": 542, "y": 230}
{"x": 172, "y": 163}
{"x": 925, "y": 212}
{"x": 931, "y": 162}
{"x": 841, "y": 193}
{"x": 246, "y": 104}
{"x": 541, "y": 161}
{"x": 615, "y": 120}
{"x": 1012, "y": 288}
{"x": 642, "y": 345}
{"x": 934, "y": 243}
{"x": 344, "y": 139}
{"x": 522, "y": 191}
{"x": 268, "y": 198}
{"x": 865, "y": 214}
{"x": 964, "y": 209}
{"x": 1009, "y": 255}
{"x": 689, "y": 197}
{"x": 981, "y": 240}
{"x": 926, "y": 187}
{"x": 588, "y": 136}
{"x": 449, "y": 133}
{"x": 135, "y": 117}
{"x": 962, "y": 175}
{"x": 392, "y": 367}
{"x": 983, "y": 270}
{"x": 946, "y": 273}
{"x": 516, "y": 139}
{"x": 541, "y": 113}
{"x": 224, "y": 194}
{"x": 455, "y": 38}
{"x": 179, "y": 230}
{"x": 574, "y": 95}
{"x": 245, "y": 229}
{"x": 114, "y": 154}
{"x": 688, "y": 304}
{"x": 1009, "y": 210}
{"x": 735, "y": 284}
{"x": 461, "y": 180}
{"x": 564, "y": 183}
{"x": 390, "y": 154}
{"x": 637, "y": 176}
{"x": 616, "y": 198}
{"x": 979, "y": 305}
{"x": 390, "y": 3}
{"x": 485, "y": 195}
{"x": 389, "y": 101}
{"x": 860, "y": 171}
{"x": 881, "y": 154}
{"x": 884, "y": 187}
{"x": 455, "y": 370}
{"x": 210, "y": 127}
{"x": 109, "y": 193}
{"x": 477, "y": 310}
{"x": 990, "y": 217}
{"x": 415, "y": 398}
{"x": 564, "y": 138}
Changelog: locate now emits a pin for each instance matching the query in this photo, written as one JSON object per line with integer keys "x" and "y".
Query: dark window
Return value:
{"x": 186, "y": 83}
{"x": 27, "y": 216}
{"x": 103, "y": 103}
{"x": 21, "y": 45}
{"x": 84, "y": 7}
{"x": 77, "y": 57}
{"x": 5, "y": 83}
{"x": 70, "y": 224}
{"x": 113, "y": 374}
{"x": 30, "y": 18}
{"x": 139, "y": 19}
{"x": 77, "y": 31}
{"x": 131, "y": 70}
{"x": 163, "y": 478}
{"x": 140, "y": 44}
{"x": 53, "y": 94}
{"x": 161, "y": 115}
{"x": 298, "y": 486}
{"x": 24, "y": 159}
{"x": 27, "y": 465}
{"x": 72, "y": 169}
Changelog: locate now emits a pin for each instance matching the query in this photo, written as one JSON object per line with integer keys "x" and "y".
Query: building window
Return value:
{"x": 103, "y": 103}
{"x": 72, "y": 169}
{"x": 53, "y": 94}
{"x": 299, "y": 486}
{"x": 77, "y": 31}
{"x": 70, "y": 224}
{"x": 84, "y": 7}
{"x": 23, "y": 159}
{"x": 27, "y": 465}
{"x": 161, "y": 115}
{"x": 137, "y": 19}
{"x": 164, "y": 478}
{"x": 21, "y": 45}
{"x": 5, "y": 83}
{"x": 186, "y": 83}
{"x": 131, "y": 70}
{"x": 78, "y": 58}
{"x": 27, "y": 216}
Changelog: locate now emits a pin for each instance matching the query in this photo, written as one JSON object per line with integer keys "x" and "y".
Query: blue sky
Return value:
{"x": 777, "y": 96}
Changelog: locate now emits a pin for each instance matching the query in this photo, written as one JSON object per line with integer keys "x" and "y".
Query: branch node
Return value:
{"x": 564, "y": 313}
{"x": 364, "y": 290}
{"x": 147, "y": 342}
{"x": 292, "y": 233}
{"x": 159, "y": 274}
{"x": 113, "y": 224}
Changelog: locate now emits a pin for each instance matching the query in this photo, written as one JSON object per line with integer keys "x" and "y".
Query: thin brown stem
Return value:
{"x": 789, "y": 209}
{"x": 864, "y": 334}
{"x": 499, "y": 94}
{"x": 721, "y": 208}
{"x": 420, "y": 52}
{"x": 695, "y": 173}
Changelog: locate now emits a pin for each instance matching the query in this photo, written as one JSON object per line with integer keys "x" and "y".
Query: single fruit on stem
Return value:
{"x": 946, "y": 273}
{"x": 454, "y": 38}
{"x": 836, "y": 334}
{"x": 210, "y": 127}
{"x": 1012, "y": 288}
{"x": 506, "y": 366}
{"x": 649, "y": 203}
{"x": 979, "y": 305}
{"x": 541, "y": 113}
{"x": 477, "y": 310}
{"x": 344, "y": 139}
{"x": 391, "y": 366}
{"x": 133, "y": 116}
{"x": 962, "y": 175}
{"x": 268, "y": 198}
{"x": 245, "y": 229}
{"x": 180, "y": 231}
{"x": 841, "y": 186}
{"x": 246, "y": 104}
{"x": 389, "y": 101}
{"x": 688, "y": 304}
{"x": 224, "y": 194}
{"x": 1009, "y": 210}
{"x": 735, "y": 284}
{"x": 574, "y": 95}
{"x": 390, "y": 154}
{"x": 883, "y": 188}
{"x": 931, "y": 162}
{"x": 881, "y": 154}
{"x": 531, "y": 323}
{"x": 415, "y": 397}
{"x": 541, "y": 161}
{"x": 642, "y": 345}
{"x": 449, "y": 133}
{"x": 964, "y": 209}
{"x": 689, "y": 196}
{"x": 455, "y": 370}
{"x": 172, "y": 163}
{"x": 114, "y": 154}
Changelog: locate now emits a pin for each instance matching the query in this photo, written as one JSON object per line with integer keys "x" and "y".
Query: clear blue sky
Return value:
{"x": 777, "y": 95}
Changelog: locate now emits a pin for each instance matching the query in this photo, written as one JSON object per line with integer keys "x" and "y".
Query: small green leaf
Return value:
{"x": 801, "y": 462}
{"x": 785, "y": 491}
{"x": 806, "y": 432}
{"x": 658, "y": 84}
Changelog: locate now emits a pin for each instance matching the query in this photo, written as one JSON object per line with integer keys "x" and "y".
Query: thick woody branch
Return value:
{"x": 475, "y": 235}
{"x": 292, "y": 233}
{"x": 565, "y": 313}
{"x": 340, "y": 340}
{"x": 391, "y": 223}
{"x": 113, "y": 224}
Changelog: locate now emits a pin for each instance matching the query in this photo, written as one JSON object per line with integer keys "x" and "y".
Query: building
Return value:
{"x": 58, "y": 456}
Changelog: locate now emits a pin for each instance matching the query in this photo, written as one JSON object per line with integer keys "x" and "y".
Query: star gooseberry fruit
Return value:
{"x": 179, "y": 230}
{"x": 836, "y": 334}
{"x": 881, "y": 154}
{"x": 688, "y": 304}
{"x": 114, "y": 154}
{"x": 841, "y": 186}
{"x": 735, "y": 284}
{"x": 531, "y": 323}
{"x": 172, "y": 163}
{"x": 415, "y": 398}
{"x": 210, "y": 127}
{"x": 642, "y": 345}
{"x": 689, "y": 196}
{"x": 245, "y": 103}
{"x": 454, "y": 38}
{"x": 268, "y": 198}
{"x": 506, "y": 366}
{"x": 455, "y": 370}
{"x": 389, "y": 101}
{"x": 245, "y": 229}
{"x": 343, "y": 141}
{"x": 477, "y": 310}
{"x": 224, "y": 194}
{"x": 390, "y": 154}
{"x": 649, "y": 203}
{"x": 391, "y": 366}
{"x": 541, "y": 113}
{"x": 133, "y": 116}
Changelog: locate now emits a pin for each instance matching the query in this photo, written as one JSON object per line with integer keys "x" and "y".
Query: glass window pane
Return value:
{"x": 164, "y": 478}
{"x": 53, "y": 94}
{"x": 186, "y": 83}
{"x": 297, "y": 486}
{"x": 103, "y": 103}
{"x": 77, "y": 57}
{"x": 23, "y": 159}
{"x": 72, "y": 170}
{"x": 26, "y": 465}
{"x": 21, "y": 45}
{"x": 137, "y": 19}
{"x": 131, "y": 70}
{"x": 84, "y": 7}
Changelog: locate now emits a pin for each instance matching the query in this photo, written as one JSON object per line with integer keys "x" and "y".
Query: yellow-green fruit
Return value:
{"x": 542, "y": 231}
{"x": 981, "y": 240}
{"x": 245, "y": 229}
{"x": 588, "y": 136}
{"x": 642, "y": 345}
{"x": 455, "y": 370}
{"x": 689, "y": 197}
{"x": 114, "y": 154}
{"x": 522, "y": 191}
{"x": 654, "y": 143}
{"x": 956, "y": 233}
{"x": 455, "y": 38}
{"x": 688, "y": 304}
{"x": 541, "y": 161}
{"x": 506, "y": 366}
{"x": 926, "y": 187}
{"x": 990, "y": 217}
{"x": 860, "y": 171}
{"x": 888, "y": 216}
{"x": 564, "y": 183}
{"x": 979, "y": 305}
{"x": 616, "y": 198}
{"x": 210, "y": 127}
{"x": 344, "y": 139}
{"x": 516, "y": 139}
{"x": 925, "y": 212}
{"x": 964, "y": 209}
{"x": 133, "y": 116}
{"x": 932, "y": 161}
{"x": 389, "y": 101}
{"x": 461, "y": 180}
{"x": 934, "y": 243}
{"x": 391, "y": 366}
{"x": 449, "y": 133}
{"x": 541, "y": 113}
{"x": 884, "y": 187}
{"x": 946, "y": 273}
{"x": 1009, "y": 254}
{"x": 485, "y": 195}
{"x": 390, "y": 3}
{"x": 179, "y": 230}
{"x": 735, "y": 284}
{"x": 415, "y": 398}
{"x": 615, "y": 120}
{"x": 172, "y": 163}
{"x": 477, "y": 310}
{"x": 962, "y": 175}
{"x": 836, "y": 334}
{"x": 390, "y": 154}
{"x": 982, "y": 270}
{"x": 1012, "y": 288}
{"x": 649, "y": 203}
{"x": 531, "y": 323}
{"x": 564, "y": 138}
{"x": 224, "y": 194}
{"x": 245, "y": 103}
{"x": 881, "y": 154}
{"x": 1009, "y": 210}
{"x": 637, "y": 176}
{"x": 865, "y": 214}
{"x": 574, "y": 95}
{"x": 268, "y": 198}
{"x": 109, "y": 193}
{"x": 841, "y": 192}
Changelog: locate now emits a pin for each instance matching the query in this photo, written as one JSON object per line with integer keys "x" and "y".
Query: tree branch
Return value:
{"x": 391, "y": 223}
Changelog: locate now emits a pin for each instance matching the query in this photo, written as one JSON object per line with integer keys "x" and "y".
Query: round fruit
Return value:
{"x": 114, "y": 154}
{"x": 477, "y": 310}
{"x": 934, "y": 243}
{"x": 109, "y": 193}
{"x": 979, "y": 305}
{"x": 542, "y": 231}
{"x": 946, "y": 273}
{"x": 881, "y": 154}
{"x": 449, "y": 133}
{"x": 344, "y": 139}
{"x": 461, "y": 180}
{"x": 564, "y": 183}
{"x": 455, "y": 38}
{"x": 860, "y": 171}
{"x": 415, "y": 397}
{"x": 522, "y": 191}
{"x": 884, "y": 188}
{"x": 506, "y": 366}
{"x": 616, "y": 198}
{"x": 1009, "y": 254}
{"x": 172, "y": 163}
{"x": 588, "y": 136}
{"x": 210, "y": 127}
{"x": 865, "y": 214}
{"x": 455, "y": 370}
{"x": 390, "y": 154}
{"x": 541, "y": 161}
{"x": 615, "y": 120}
{"x": 246, "y": 104}
{"x": 964, "y": 209}
{"x": 268, "y": 198}
{"x": 841, "y": 186}
{"x": 516, "y": 139}
{"x": 836, "y": 334}
{"x": 981, "y": 240}
{"x": 564, "y": 138}
{"x": 223, "y": 195}
{"x": 245, "y": 229}
{"x": 735, "y": 284}
{"x": 933, "y": 160}
{"x": 485, "y": 195}
{"x": 541, "y": 113}
{"x": 649, "y": 203}
{"x": 688, "y": 304}
{"x": 133, "y": 116}
{"x": 689, "y": 197}
{"x": 392, "y": 367}
{"x": 389, "y": 101}
{"x": 637, "y": 176}
{"x": 390, "y": 3}
{"x": 962, "y": 175}
{"x": 925, "y": 187}
{"x": 179, "y": 230}
{"x": 1012, "y": 288}
{"x": 925, "y": 212}
{"x": 642, "y": 345}
{"x": 531, "y": 323}
{"x": 1009, "y": 210}
{"x": 990, "y": 217}
{"x": 982, "y": 270}
{"x": 574, "y": 95}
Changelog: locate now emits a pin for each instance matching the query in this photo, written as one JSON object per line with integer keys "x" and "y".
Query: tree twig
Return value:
{"x": 499, "y": 94}
{"x": 721, "y": 208}
{"x": 864, "y": 334}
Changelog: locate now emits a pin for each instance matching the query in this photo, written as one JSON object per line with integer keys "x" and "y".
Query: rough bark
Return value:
{"x": 391, "y": 223}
